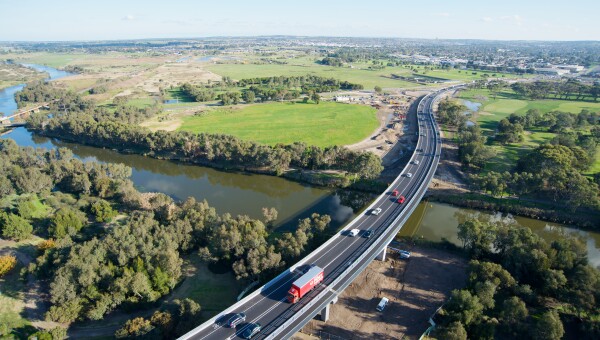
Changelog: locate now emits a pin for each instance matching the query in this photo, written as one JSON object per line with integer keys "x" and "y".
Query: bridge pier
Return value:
{"x": 325, "y": 313}
{"x": 381, "y": 256}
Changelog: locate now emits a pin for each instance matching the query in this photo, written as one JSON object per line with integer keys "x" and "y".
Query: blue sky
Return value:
{"x": 42, "y": 20}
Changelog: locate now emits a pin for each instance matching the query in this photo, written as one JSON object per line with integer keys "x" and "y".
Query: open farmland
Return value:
{"x": 315, "y": 124}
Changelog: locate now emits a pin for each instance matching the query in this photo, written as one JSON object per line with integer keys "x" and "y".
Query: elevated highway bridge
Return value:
{"x": 342, "y": 257}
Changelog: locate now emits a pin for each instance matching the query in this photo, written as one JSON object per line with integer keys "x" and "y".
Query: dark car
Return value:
{"x": 251, "y": 330}
{"x": 368, "y": 234}
{"x": 236, "y": 319}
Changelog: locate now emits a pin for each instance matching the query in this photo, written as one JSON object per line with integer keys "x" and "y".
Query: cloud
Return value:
{"x": 128, "y": 17}
{"x": 443, "y": 14}
{"x": 516, "y": 19}
{"x": 487, "y": 19}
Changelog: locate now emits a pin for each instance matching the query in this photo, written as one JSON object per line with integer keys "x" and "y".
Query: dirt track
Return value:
{"x": 415, "y": 288}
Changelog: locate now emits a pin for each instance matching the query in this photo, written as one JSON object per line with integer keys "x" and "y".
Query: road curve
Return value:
{"x": 342, "y": 257}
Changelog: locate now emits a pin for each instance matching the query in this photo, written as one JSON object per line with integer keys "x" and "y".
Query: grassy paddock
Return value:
{"x": 507, "y": 102}
{"x": 358, "y": 74}
{"x": 315, "y": 124}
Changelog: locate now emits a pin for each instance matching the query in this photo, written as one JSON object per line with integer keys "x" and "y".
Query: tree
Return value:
{"x": 270, "y": 215}
{"x": 378, "y": 89}
{"x": 548, "y": 326}
{"x": 14, "y": 227}
{"x": 513, "y": 310}
{"x": 30, "y": 180}
{"x": 134, "y": 328}
{"x": 66, "y": 221}
{"x": 315, "y": 97}
{"x": 485, "y": 291}
{"x": 7, "y": 263}
{"x": 476, "y": 236}
{"x": 249, "y": 96}
{"x": 463, "y": 307}
{"x": 187, "y": 315}
{"x": 164, "y": 321}
{"x": 102, "y": 211}
{"x": 453, "y": 331}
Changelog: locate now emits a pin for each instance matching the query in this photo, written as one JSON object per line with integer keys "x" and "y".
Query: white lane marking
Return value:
{"x": 365, "y": 218}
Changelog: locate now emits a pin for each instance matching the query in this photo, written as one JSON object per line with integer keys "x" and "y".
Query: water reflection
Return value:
{"x": 434, "y": 221}
{"x": 233, "y": 192}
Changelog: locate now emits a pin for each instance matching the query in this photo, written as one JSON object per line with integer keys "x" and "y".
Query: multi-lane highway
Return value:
{"x": 342, "y": 257}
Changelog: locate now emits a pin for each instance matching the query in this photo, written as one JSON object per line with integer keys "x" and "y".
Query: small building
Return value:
{"x": 343, "y": 99}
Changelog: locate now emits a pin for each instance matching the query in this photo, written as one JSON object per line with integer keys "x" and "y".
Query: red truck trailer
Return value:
{"x": 305, "y": 284}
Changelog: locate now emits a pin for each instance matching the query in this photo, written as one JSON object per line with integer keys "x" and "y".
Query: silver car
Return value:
{"x": 409, "y": 175}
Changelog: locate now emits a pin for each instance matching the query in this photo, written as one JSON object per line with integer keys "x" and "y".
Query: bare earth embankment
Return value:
{"x": 415, "y": 288}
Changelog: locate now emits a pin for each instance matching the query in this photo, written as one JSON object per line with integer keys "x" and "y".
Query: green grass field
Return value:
{"x": 315, "y": 124}
{"x": 507, "y": 102}
{"x": 358, "y": 74}
{"x": 50, "y": 59}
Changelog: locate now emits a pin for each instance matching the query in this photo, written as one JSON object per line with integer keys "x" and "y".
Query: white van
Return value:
{"x": 354, "y": 232}
{"x": 382, "y": 304}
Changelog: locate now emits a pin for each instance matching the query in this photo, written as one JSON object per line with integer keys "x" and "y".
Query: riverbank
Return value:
{"x": 12, "y": 74}
{"x": 324, "y": 178}
{"x": 581, "y": 218}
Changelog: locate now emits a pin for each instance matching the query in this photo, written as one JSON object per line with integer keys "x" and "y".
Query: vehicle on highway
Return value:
{"x": 251, "y": 330}
{"x": 395, "y": 193}
{"x": 306, "y": 283}
{"x": 401, "y": 199}
{"x": 415, "y": 162}
{"x": 404, "y": 254}
{"x": 375, "y": 211}
{"x": 236, "y": 319}
{"x": 353, "y": 232}
{"x": 381, "y": 306}
{"x": 408, "y": 174}
{"x": 368, "y": 233}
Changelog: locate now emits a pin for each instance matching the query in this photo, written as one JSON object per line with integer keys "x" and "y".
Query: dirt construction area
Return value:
{"x": 415, "y": 288}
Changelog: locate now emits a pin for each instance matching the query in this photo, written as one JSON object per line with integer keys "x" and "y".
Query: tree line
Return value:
{"x": 552, "y": 170}
{"x": 520, "y": 286}
{"x": 265, "y": 89}
{"x": 78, "y": 120}
{"x": 569, "y": 89}
{"x": 94, "y": 266}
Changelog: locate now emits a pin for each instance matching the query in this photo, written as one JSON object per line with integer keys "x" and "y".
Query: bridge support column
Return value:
{"x": 325, "y": 313}
{"x": 381, "y": 256}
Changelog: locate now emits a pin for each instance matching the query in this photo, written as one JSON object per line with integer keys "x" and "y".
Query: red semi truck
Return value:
{"x": 305, "y": 284}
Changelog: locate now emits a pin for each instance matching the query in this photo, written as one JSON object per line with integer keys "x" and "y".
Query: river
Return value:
{"x": 436, "y": 221}
{"x": 233, "y": 192}
{"x": 241, "y": 193}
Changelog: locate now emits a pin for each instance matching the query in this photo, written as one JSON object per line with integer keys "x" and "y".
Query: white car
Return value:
{"x": 354, "y": 232}
{"x": 404, "y": 254}
{"x": 375, "y": 211}
{"x": 415, "y": 162}
{"x": 409, "y": 175}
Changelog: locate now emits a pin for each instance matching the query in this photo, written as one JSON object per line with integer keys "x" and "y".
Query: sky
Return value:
{"x": 58, "y": 20}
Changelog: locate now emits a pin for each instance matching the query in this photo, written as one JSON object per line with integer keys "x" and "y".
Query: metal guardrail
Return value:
{"x": 404, "y": 216}
{"x": 210, "y": 322}
{"x": 398, "y": 221}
